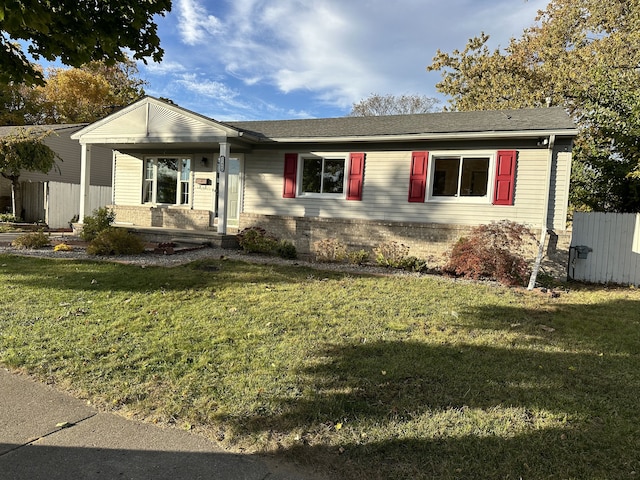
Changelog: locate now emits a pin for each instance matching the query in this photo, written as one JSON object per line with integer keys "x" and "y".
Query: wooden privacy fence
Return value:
{"x": 56, "y": 203}
{"x": 605, "y": 248}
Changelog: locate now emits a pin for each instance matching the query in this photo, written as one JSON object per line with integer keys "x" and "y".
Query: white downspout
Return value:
{"x": 545, "y": 217}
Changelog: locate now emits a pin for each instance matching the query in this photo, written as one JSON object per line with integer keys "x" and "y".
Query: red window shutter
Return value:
{"x": 418, "y": 176}
{"x": 290, "y": 175}
{"x": 505, "y": 177}
{"x": 356, "y": 176}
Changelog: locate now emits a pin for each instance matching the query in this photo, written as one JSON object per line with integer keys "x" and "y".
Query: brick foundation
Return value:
{"x": 428, "y": 241}
{"x": 167, "y": 217}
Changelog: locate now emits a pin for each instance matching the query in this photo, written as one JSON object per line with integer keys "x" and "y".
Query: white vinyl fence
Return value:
{"x": 605, "y": 248}
{"x": 56, "y": 203}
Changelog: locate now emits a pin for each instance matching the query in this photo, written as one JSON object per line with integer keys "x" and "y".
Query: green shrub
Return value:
{"x": 257, "y": 240}
{"x": 32, "y": 240}
{"x": 330, "y": 250}
{"x": 100, "y": 221}
{"x": 8, "y": 218}
{"x": 495, "y": 251}
{"x": 115, "y": 241}
{"x": 357, "y": 257}
{"x": 396, "y": 255}
{"x": 414, "y": 264}
{"x": 391, "y": 254}
{"x": 286, "y": 249}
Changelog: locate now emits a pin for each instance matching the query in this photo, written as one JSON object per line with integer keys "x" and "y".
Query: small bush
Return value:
{"x": 100, "y": 221}
{"x": 391, "y": 254}
{"x": 62, "y": 247}
{"x": 257, "y": 240}
{"x": 495, "y": 251}
{"x": 286, "y": 249}
{"x": 358, "y": 257}
{"x": 115, "y": 241}
{"x": 8, "y": 218}
{"x": 32, "y": 240}
{"x": 330, "y": 250}
{"x": 414, "y": 264}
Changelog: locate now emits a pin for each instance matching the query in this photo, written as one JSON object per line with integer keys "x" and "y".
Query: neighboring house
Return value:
{"x": 38, "y": 187}
{"x": 422, "y": 180}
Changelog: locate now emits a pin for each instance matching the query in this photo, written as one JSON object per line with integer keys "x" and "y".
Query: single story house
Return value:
{"x": 48, "y": 197}
{"x": 422, "y": 180}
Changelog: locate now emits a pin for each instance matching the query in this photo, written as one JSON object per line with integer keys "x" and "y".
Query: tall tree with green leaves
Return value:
{"x": 24, "y": 149}
{"x": 76, "y": 33}
{"x": 583, "y": 55}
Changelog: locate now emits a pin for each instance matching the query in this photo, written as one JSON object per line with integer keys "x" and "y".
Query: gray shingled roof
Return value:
{"x": 540, "y": 119}
{"x": 4, "y": 130}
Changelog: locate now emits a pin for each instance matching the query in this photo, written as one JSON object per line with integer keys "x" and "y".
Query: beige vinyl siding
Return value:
{"x": 203, "y": 195}
{"x": 127, "y": 180}
{"x": 385, "y": 193}
{"x": 562, "y": 180}
{"x": 69, "y": 167}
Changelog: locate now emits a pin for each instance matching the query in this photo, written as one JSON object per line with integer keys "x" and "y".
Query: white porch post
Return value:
{"x": 223, "y": 194}
{"x": 85, "y": 182}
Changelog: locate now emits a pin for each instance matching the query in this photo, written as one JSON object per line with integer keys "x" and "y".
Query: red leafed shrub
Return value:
{"x": 496, "y": 251}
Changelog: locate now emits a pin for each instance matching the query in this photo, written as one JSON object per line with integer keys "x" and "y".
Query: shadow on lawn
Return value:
{"x": 84, "y": 275}
{"x": 574, "y": 410}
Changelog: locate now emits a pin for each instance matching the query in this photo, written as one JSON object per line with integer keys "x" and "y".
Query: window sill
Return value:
{"x": 461, "y": 200}
{"x": 321, "y": 195}
{"x": 167, "y": 205}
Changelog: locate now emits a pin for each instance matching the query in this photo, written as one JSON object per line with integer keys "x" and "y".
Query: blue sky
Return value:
{"x": 282, "y": 59}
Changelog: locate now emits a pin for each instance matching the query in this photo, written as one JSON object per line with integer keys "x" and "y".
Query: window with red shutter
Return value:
{"x": 356, "y": 176}
{"x": 290, "y": 175}
{"x": 505, "y": 177}
{"x": 418, "y": 176}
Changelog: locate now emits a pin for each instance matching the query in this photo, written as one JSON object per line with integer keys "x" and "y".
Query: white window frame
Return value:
{"x": 485, "y": 199}
{"x": 344, "y": 157}
{"x": 179, "y": 181}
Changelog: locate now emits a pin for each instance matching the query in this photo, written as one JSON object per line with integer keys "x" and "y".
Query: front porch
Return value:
{"x": 165, "y": 170}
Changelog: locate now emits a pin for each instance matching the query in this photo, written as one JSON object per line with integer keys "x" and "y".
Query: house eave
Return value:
{"x": 145, "y": 140}
{"x": 427, "y": 136}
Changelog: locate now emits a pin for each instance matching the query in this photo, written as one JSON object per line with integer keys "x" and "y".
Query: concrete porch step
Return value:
{"x": 184, "y": 237}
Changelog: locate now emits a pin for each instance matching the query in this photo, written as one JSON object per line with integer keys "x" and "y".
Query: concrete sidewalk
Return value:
{"x": 45, "y": 434}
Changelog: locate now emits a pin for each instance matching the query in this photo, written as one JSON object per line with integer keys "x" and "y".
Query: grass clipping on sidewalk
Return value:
{"x": 358, "y": 376}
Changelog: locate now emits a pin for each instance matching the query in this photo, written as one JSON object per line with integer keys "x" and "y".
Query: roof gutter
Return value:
{"x": 433, "y": 136}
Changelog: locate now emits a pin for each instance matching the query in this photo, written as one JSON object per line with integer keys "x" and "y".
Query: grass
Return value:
{"x": 362, "y": 377}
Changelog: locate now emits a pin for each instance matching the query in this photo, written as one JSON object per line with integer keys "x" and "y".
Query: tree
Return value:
{"x": 580, "y": 54}
{"x": 76, "y": 33}
{"x": 72, "y": 95}
{"x": 11, "y": 105}
{"x": 85, "y": 94}
{"x": 24, "y": 149}
{"x": 377, "y": 105}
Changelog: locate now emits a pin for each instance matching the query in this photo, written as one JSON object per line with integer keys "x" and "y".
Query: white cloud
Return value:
{"x": 339, "y": 52}
{"x": 163, "y": 68}
{"x": 194, "y": 24}
{"x": 207, "y": 88}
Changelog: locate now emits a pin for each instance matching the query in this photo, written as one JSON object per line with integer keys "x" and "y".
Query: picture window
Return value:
{"x": 324, "y": 176}
{"x": 167, "y": 180}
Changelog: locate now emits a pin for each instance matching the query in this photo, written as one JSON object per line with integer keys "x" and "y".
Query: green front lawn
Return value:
{"x": 363, "y": 377}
